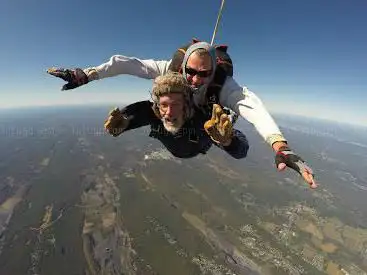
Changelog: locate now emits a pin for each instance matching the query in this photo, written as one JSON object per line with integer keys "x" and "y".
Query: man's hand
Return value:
{"x": 286, "y": 157}
{"x": 74, "y": 77}
{"x": 116, "y": 122}
{"x": 219, "y": 127}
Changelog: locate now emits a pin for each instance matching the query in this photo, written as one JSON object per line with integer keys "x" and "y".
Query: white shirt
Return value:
{"x": 240, "y": 99}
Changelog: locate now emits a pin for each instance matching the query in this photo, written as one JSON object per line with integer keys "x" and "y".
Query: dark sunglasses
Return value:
{"x": 194, "y": 72}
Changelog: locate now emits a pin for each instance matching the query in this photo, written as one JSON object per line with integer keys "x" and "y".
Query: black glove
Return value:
{"x": 289, "y": 158}
{"x": 74, "y": 77}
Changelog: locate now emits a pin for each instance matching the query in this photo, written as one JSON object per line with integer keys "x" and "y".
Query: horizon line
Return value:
{"x": 115, "y": 104}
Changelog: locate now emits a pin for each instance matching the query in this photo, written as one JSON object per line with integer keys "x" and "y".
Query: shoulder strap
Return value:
{"x": 223, "y": 70}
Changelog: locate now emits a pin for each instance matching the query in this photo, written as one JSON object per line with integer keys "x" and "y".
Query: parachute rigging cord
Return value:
{"x": 216, "y": 24}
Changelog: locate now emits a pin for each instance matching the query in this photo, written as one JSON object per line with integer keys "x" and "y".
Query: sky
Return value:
{"x": 300, "y": 57}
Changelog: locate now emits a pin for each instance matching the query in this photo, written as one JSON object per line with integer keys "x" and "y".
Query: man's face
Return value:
{"x": 198, "y": 69}
{"x": 171, "y": 109}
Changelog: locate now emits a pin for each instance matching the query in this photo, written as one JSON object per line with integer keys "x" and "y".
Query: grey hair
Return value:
{"x": 172, "y": 82}
{"x": 201, "y": 52}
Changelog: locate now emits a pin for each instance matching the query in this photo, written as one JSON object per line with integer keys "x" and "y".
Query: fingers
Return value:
{"x": 223, "y": 118}
{"x": 225, "y": 127}
{"x": 75, "y": 77}
{"x": 111, "y": 126}
{"x": 307, "y": 169}
{"x": 209, "y": 127}
{"x": 306, "y": 174}
{"x": 215, "y": 119}
{"x": 225, "y": 122}
{"x": 216, "y": 113}
{"x": 219, "y": 127}
{"x": 114, "y": 111}
{"x": 69, "y": 86}
{"x": 281, "y": 166}
{"x": 212, "y": 132}
{"x": 64, "y": 74}
{"x": 108, "y": 123}
{"x": 54, "y": 71}
{"x": 116, "y": 122}
{"x": 313, "y": 184}
{"x": 309, "y": 179}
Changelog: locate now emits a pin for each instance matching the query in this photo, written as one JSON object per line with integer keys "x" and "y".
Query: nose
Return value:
{"x": 169, "y": 111}
{"x": 194, "y": 80}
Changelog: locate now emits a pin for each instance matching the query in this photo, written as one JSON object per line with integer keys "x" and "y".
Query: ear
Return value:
{"x": 195, "y": 40}
{"x": 156, "y": 110}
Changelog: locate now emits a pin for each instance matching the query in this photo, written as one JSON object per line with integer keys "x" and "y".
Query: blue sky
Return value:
{"x": 299, "y": 57}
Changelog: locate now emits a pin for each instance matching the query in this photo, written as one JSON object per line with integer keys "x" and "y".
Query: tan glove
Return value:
{"x": 116, "y": 122}
{"x": 219, "y": 127}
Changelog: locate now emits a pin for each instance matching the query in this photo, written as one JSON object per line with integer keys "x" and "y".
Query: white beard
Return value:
{"x": 171, "y": 127}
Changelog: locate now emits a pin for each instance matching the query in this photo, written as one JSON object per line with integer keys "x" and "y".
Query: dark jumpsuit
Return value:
{"x": 190, "y": 140}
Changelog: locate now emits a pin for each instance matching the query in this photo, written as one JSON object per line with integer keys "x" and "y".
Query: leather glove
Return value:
{"x": 285, "y": 156}
{"x": 219, "y": 127}
{"x": 74, "y": 77}
{"x": 116, "y": 122}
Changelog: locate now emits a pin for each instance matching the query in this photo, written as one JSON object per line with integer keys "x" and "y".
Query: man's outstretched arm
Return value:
{"x": 132, "y": 116}
{"x": 117, "y": 65}
{"x": 120, "y": 64}
{"x": 249, "y": 106}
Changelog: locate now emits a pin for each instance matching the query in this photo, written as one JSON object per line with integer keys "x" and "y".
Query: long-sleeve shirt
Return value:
{"x": 190, "y": 140}
{"x": 239, "y": 99}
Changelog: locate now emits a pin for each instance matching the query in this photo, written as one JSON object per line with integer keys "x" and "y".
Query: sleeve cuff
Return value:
{"x": 275, "y": 138}
{"x": 91, "y": 73}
